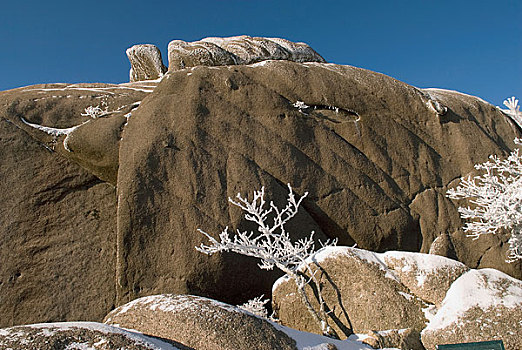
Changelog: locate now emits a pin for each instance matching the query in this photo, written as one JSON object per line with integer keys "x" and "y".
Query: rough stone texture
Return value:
{"x": 237, "y": 50}
{"x": 146, "y": 62}
{"x": 373, "y": 154}
{"x": 427, "y": 276}
{"x": 79, "y": 335}
{"x": 481, "y": 305}
{"x": 443, "y": 246}
{"x": 199, "y": 323}
{"x": 57, "y": 220}
{"x": 354, "y": 283}
{"x": 404, "y": 339}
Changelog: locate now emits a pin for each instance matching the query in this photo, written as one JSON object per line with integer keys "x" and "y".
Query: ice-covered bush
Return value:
{"x": 274, "y": 248}
{"x": 94, "y": 111}
{"x": 256, "y": 306}
{"x": 496, "y": 195}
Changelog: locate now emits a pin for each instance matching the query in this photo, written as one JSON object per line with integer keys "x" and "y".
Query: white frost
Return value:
{"x": 484, "y": 288}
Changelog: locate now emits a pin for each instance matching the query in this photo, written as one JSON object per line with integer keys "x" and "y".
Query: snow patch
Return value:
{"x": 103, "y": 328}
{"x": 485, "y": 288}
{"x": 426, "y": 264}
{"x": 311, "y": 341}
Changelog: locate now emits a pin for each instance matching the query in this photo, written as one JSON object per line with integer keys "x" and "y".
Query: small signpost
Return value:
{"x": 483, "y": 345}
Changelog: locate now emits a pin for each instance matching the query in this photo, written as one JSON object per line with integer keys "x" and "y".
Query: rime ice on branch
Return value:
{"x": 274, "y": 247}
{"x": 496, "y": 196}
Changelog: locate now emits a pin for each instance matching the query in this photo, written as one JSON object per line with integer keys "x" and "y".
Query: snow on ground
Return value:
{"x": 312, "y": 341}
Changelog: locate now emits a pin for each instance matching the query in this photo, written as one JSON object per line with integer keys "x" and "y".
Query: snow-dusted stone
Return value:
{"x": 214, "y": 51}
{"x": 199, "y": 323}
{"x": 355, "y": 282}
{"x": 404, "y": 339}
{"x": 198, "y": 53}
{"x": 480, "y": 305}
{"x": 146, "y": 62}
{"x": 77, "y": 335}
{"x": 427, "y": 276}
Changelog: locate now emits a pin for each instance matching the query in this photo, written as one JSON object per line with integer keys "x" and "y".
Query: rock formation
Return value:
{"x": 199, "y": 323}
{"x": 146, "y": 62}
{"x": 108, "y": 203}
{"x": 406, "y": 297}
{"x": 78, "y": 335}
{"x": 481, "y": 305}
{"x": 58, "y": 219}
{"x": 237, "y": 50}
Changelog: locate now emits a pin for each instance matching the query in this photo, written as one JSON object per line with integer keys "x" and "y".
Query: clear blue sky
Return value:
{"x": 470, "y": 46}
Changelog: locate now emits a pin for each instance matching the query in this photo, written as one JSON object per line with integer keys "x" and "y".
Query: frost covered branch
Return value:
{"x": 256, "y": 306}
{"x": 496, "y": 196}
{"x": 95, "y": 112}
{"x": 273, "y": 246}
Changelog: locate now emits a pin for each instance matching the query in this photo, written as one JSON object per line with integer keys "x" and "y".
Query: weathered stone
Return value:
{"x": 199, "y": 53}
{"x": 404, "y": 339}
{"x": 356, "y": 285}
{"x": 77, "y": 335}
{"x": 242, "y": 49}
{"x": 57, "y": 220}
{"x": 199, "y": 323}
{"x": 481, "y": 305}
{"x": 146, "y": 62}
{"x": 427, "y": 276}
{"x": 375, "y": 158}
{"x": 443, "y": 246}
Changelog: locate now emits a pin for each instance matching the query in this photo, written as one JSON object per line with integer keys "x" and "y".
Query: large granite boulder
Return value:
{"x": 374, "y": 154}
{"x": 427, "y": 276}
{"x": 146, "y": 62}
{"x": 199, "y": 323}
{"x": 242, "y": 49}
{"x": 78, "y": 335}
{"x": 358, "y": 288}
{"x": 57, "y": 219}
{"x": 481, "y": 305}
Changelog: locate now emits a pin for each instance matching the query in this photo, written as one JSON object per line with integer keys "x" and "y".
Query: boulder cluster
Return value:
{"x": 147, "y": 64}
{"x": 105, "y": 185}
{"x": 399, "y": 300}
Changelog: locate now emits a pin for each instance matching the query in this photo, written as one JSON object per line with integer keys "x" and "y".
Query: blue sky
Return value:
{"x": 470, "y": 46}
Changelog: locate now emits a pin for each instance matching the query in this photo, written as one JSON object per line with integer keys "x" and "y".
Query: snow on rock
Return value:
{"x": 356, "y": 283}
{"x": 199, "y": 323}
{"x": 427, "y": 276}
{"x": 242, "y": 49}
{"x": 146, "y": 62}
{"x": 77, "y": 335}
{"x": 480, "y": 305}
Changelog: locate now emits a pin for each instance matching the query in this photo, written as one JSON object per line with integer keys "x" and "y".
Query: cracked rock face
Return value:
{"x": 126, "y": 194}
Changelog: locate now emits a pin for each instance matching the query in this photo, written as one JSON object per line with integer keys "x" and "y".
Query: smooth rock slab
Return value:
{"x": 200, "y": 323}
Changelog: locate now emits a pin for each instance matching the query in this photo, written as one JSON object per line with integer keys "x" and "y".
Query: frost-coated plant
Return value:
{"x": 256, "y": 306}
{"x": 275, "y": 249}
{"x": 94, "y": 111}
{"x": 496, "y": 195}
{"x": 514, "y": 113}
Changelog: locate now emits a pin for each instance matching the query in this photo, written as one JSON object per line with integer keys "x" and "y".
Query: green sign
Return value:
{"x": 483, "y": 345}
